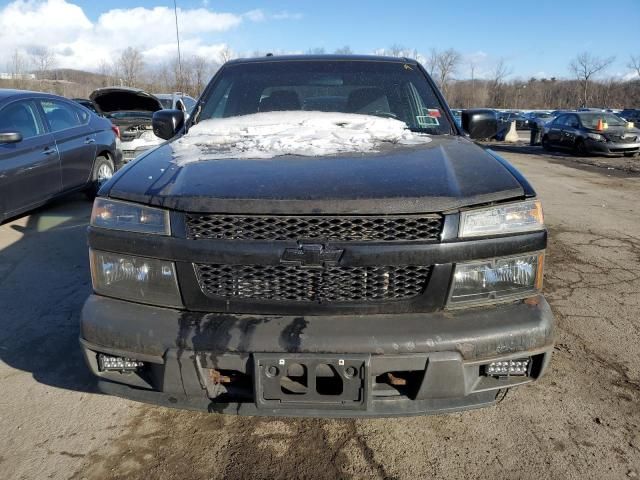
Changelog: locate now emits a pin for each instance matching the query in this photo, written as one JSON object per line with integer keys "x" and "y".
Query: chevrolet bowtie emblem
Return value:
{"x": 311, "y": 256}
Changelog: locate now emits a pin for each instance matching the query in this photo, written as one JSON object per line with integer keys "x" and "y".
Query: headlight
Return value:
{"x": 500, "y": 278}
{"x": 130, "y": 217}
{"x": 139, "y": 279}
{"x": 502, "y": 219}
{"x": 596, "y": 136}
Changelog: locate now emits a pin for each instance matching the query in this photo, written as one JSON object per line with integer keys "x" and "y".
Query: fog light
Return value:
{"x": 108, "y": 363}
{"x": 506, "y": 368}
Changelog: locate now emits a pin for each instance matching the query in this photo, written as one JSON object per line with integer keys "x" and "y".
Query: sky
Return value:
{"x": 536, "y": 38}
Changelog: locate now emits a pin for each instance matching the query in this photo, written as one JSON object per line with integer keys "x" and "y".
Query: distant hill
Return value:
{"x": 67, "y": 82}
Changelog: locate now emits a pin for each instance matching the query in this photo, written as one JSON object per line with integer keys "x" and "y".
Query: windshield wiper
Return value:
{"x": 428, "y": 131}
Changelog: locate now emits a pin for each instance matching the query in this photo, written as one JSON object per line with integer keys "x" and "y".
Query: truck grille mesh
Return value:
{"x": 297, "y": 284}
{"x": 339, "y": 228}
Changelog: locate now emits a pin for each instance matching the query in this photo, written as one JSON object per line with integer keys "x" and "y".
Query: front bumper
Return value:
{"x": 439, "y": 356}
{"x": 611, "y": 149}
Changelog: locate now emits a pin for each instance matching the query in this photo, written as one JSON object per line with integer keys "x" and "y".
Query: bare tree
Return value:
{"x": 346, "y": 50}
{"x": 584, "y": 67}
{"x": 17, "y": 67}
{"x": 44, "y": 60}
{"x": 431, "y": 61}
{"x": 396, "y": 50}
{"x": 226, "y": 54}
{"x": 634, "y": 64}
{"x": 316, "y": 51}
{"x": 498, "y": 75}
{"x": 131, "y": 65}
{"x": 200, "y": 68}
{"x": 447, "y": 63}
{"x": 472, "y": 70}
{"x": 106, "y": 71}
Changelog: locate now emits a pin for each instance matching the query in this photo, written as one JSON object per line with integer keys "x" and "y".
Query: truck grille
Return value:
{"x": 297, "y": 284}
{"x": 338, "y": 228}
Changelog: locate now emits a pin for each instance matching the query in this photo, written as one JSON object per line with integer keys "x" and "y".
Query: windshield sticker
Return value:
{"x": 427, "y": 121}
{"x": 434, "y": 112}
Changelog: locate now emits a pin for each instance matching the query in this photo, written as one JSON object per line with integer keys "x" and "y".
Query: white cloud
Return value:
{"x": 284, "y": 15}
{"x": 260, "y": 15}
{"x": 255, "y": 15}
{"x": 77, "y": 42}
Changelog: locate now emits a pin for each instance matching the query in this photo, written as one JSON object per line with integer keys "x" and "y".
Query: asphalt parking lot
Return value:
{"x": 581, "y": 421}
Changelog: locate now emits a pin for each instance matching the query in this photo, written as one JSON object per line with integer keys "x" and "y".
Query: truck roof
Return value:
{"x": 321, "y": 58}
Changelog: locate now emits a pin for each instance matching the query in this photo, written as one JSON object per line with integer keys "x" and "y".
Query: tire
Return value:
{"x": 579, "y": 148}
{"x": 631, "y": 154}
{"x": 545, "y": 143}
{"x": 103, "y": 170}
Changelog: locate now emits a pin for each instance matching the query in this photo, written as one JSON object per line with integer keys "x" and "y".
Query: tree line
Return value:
{"x": 588, "y": 84}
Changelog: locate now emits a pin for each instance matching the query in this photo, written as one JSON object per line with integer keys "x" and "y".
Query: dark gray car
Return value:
{"x": 50, "y": 146}
{"x": 592, "y": 133}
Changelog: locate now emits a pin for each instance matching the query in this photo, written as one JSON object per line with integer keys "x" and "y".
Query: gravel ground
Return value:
{"x": 581, "y": 421}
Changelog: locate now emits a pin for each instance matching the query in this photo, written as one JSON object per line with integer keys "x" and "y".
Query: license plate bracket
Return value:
{"x": 311, "y": 380}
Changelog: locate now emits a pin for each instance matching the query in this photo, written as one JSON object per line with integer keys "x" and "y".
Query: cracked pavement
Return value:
{"x": 581, "y": 421}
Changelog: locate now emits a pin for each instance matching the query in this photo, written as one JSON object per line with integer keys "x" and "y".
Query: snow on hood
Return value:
{"x": 271, "y": 134}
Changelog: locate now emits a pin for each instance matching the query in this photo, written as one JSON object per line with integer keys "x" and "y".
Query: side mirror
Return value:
{"x": 10, "y": 137}
{"x": 480, "y": 124}
{"x": 167, "y": 123}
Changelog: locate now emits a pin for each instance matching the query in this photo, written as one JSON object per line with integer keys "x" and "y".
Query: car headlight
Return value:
{"x": 138, "y": 279}
{"x": 131, "y": 217}
{"x": 596, "y": 136}
{"x": 488, "y": 281}
{"x": 502, "y": 219}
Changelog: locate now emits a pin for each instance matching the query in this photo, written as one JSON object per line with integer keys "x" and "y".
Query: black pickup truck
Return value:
{"x": 319, "y": 238}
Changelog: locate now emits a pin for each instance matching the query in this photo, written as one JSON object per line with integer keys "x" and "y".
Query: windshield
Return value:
{"x": 386, "y": 89}
{"x": 590, "y": 120}
{"x": 167, "y": 103}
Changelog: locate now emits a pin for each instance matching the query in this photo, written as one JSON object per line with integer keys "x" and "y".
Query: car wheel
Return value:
{"x": 580, "y": 148}
{"x": 545, "y": 143}
{"x": 631, "y": 154}
{"x": 103, "y": 170}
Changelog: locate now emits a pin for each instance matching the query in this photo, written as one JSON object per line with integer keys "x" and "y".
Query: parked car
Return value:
{"x": 556, "y": 113}
{"x": 176, "y": 101}
{"x": 131, "y": 110}
{"x": 50, "y": 146}
{"x": 538, "y": 119}
{"x": 631, "y": 115}
{"x": 457, "y": 116}
{"x": 85, "y": 102}
{"x": 503, "y": 126}
{"x": 592, "y": 132}
{"x": 522, "y": 122}
{"x": 369, "y": 260}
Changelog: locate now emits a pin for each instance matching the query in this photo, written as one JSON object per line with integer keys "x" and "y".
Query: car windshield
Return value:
{"x": 166, "y": 103}
{"x": 590, "y": 120}
{"x": 381, "y": 88}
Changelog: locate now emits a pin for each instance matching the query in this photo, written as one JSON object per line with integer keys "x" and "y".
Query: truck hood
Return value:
{"x": 112, "y": 99}
{"x": 446, "y": 174}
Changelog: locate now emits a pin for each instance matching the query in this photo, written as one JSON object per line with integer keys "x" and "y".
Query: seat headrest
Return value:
{"x": 280, "y": 100}
{"x": 61, "y": 119}
{"x": 364, "y": 100}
